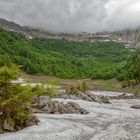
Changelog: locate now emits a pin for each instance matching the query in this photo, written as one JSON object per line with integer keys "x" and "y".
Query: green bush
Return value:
{"x": 41, "y": 91}
{"x": 14, "y": 99}
{"x": 74, "y": 89}
{"x": 131, "y": 71}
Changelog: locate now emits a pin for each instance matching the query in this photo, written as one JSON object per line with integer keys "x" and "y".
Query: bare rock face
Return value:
{"x": 45, "y": 104}
{"x": 135, "y": 106}
{"x": 85, "y": 96}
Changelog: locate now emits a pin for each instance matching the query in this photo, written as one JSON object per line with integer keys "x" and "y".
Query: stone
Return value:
{"x": 8, "y": 126}
{"x": 122, "y": 96}
{"x": 135, "y": 107}
{"x": 63, "y": 109}
{"x": 74, "y": 105}
{"x": 35, "y": 110}
{"x": 105, "y": 100}
{"x": 54, "y": 107}
{"x": 32, "y": 120}
{"x": 85, "y": 96}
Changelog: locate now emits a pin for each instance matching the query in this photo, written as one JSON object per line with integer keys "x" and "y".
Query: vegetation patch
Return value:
{"x": 74, "y": 89}
{"x": 14, "y": 102}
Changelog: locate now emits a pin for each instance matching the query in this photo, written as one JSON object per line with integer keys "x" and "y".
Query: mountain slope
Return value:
{"x": 130, "y": 38}
{"x": 24, "y": 30}
{"x": 62, "y": 58}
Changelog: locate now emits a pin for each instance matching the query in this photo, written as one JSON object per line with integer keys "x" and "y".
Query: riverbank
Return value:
{"x": 108, "y": 85}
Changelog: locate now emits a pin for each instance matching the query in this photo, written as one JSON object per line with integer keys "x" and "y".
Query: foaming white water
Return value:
{"x": 115, "y": 121}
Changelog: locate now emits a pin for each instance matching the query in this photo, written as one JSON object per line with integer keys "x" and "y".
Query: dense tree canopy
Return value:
{"x": 62, "y": 58}
{"x": 131, "y": 71}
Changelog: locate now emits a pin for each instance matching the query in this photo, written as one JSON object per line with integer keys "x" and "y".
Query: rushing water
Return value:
{"x": 115, "y": 121}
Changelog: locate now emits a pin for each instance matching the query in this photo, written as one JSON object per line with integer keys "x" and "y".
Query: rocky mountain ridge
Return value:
{"x": 129, "y": 37}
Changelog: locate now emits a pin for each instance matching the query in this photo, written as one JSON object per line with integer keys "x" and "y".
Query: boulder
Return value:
{"x": 40, "y": 102}
{"x": 136, "y": 106}
{"x": 49, "y": 106}
{"x": 85, "y": 96}
{"x": 68, "y": 96}
{"x": 73, "y": 105}
{"x": 8, "y": 125}
{"x": 123, "y": 96}
{"x": 64, "y": 110}
{"x": 32, "y": 120}
{"x": 105, "y": 100}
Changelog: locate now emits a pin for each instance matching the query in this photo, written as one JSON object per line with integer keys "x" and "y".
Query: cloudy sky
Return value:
{"x": 73, "y": 15}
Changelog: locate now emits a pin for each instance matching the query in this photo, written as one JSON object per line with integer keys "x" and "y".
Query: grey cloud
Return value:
{"x": 73, "y": 15}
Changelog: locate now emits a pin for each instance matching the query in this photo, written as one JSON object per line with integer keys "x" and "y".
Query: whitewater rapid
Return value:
{"x": 115, "y": 121}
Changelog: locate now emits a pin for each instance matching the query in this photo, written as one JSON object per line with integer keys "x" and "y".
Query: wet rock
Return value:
{"x": 8, "y": 126}
{"x": 135, "y": 106}
{"x": 85, "y": 96}
{"x": 123, "y": 96}
{"x": 97, "y": 99}
{"x": 40, "y": 101}
{"x": 73, "y": 105}
{"x": 32, "y": 120}
{"x": 49, "y": 106}
{"x": 68, "y": 96}
{"x": 12, "y": 125}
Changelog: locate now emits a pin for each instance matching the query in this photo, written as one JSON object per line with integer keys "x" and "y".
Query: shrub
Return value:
{"x": 14, "y": 99}
{"x": 41, "y": 91}
{"x": 74, "y": 89}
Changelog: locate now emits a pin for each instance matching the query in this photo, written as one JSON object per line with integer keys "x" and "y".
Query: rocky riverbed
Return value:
{"x": 115, "y": 120}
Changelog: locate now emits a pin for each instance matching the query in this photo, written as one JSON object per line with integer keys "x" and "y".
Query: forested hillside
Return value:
{"x": 62, "y": 58}
{"x": 131, "y": 71}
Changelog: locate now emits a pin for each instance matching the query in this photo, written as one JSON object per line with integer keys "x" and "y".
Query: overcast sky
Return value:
{"x": 73, "y": 15}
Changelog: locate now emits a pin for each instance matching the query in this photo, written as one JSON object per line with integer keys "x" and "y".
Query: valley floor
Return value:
{"x": 115, "y": 121}
{"x": 109, "y": 85}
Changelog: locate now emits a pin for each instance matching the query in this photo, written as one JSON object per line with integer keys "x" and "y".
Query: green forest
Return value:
{"x": 63, "y": 58}
{"x": 60, "y": 58}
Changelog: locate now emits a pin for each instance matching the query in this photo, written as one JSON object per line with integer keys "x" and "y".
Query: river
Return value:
{"x": 115, "y": 121}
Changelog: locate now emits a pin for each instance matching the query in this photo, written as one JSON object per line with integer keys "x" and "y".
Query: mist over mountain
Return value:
{"x": 73, "y": 15}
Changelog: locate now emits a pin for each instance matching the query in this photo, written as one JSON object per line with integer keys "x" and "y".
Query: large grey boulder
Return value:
{"x": 84, "y": 96}
{"x": 44, "y": 104}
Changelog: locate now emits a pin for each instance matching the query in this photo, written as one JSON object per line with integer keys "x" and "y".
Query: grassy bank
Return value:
{"x": 110, "y": 85}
